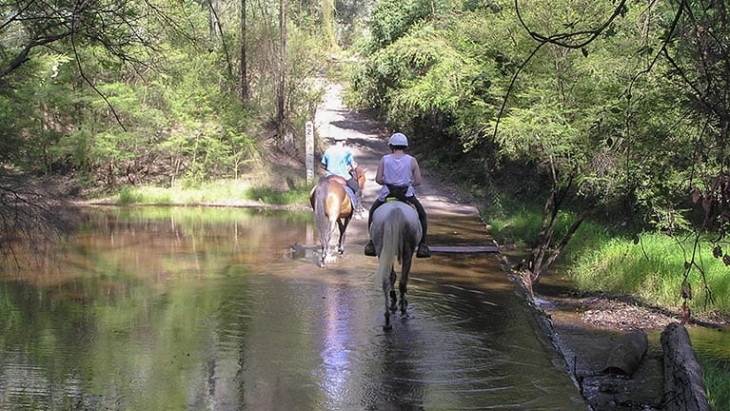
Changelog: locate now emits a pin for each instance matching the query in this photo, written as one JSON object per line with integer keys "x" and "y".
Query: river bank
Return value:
{"x": 582, "y": 326}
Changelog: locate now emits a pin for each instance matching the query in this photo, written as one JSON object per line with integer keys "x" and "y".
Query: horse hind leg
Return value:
{"x": 386, "y": 290}
{"x": 327, "y": 252}
{"x": 403, "y": 285}
{"x": 325, "y": 257}
{"x": 343, "y": 235}
{"x": 403, "y": 299}
{"x": 393, "y": 297}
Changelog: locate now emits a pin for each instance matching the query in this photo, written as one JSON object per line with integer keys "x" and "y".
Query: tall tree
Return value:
{"x": 244, "y": 66}
{"x": 281, "y": 73}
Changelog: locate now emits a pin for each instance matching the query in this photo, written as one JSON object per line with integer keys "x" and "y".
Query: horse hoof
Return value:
{"x": 387, "y": 327}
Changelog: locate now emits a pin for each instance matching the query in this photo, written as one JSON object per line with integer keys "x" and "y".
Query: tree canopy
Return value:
{"x": 614, "y": 110}
{"x": 617, "y": 110}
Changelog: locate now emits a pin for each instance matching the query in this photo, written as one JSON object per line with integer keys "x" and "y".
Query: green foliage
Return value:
{"x": 267, "y": 195}
{"x": 392, "y": 19}
{"x": 160, "y": 109}
{"x": 128, "y": 196}
{"x": 216, "y": 192}
{"x": 653, "y": 269}
{"x": 716, "y": 378}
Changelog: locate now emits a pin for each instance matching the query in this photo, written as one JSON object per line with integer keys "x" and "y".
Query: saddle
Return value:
{"x": 398, "y": 193}
{"x": 348, "y": 190}
{"x": 337, "y": 179}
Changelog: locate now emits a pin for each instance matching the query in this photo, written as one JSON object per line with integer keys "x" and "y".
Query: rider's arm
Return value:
{"x": 323, "y": 163}
{"x": 379, "y": 173}
{"x": 351, "y": 163}
{"x": 416, "y": 173}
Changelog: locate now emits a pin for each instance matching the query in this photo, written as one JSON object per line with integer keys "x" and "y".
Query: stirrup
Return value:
{"x": 423, "y": 251}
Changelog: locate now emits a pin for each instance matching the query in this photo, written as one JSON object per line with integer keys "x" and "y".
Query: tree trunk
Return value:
{"x": 684, "y": 385}
{"x": 213, "y": 7}
{"x": 280, "y": 96}
{"x": 542, "y": 257}
{"x": 328, "y": 23}
{"x": 244, "y": 66}
{"x": 626, "y": 354}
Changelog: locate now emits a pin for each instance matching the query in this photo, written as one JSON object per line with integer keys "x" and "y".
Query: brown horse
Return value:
{"x": 332, "y": 206}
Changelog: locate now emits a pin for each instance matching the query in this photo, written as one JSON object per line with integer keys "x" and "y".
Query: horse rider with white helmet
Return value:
{"x": 399, "y": 174}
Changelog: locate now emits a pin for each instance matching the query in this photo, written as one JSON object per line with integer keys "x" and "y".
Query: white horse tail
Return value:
{"x": 392, "y": 241}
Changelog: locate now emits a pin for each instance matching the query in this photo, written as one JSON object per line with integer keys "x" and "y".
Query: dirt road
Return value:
{"x": 368, "y": 140}
{"x": 583, "y": 345}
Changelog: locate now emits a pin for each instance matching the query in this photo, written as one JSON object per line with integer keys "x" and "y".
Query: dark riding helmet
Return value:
{"x": 398, "y": 140}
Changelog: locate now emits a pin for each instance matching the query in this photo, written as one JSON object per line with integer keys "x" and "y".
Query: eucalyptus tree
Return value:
{"x": 608, "y": 103}
{"x": 38, "y": 39}
{"x": 562, "y": 113}
{"x": 663, "y": 136}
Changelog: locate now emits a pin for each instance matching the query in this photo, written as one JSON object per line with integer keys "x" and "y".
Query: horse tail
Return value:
{"x": 320, "y": 214}
{"x": 392, "y": 243}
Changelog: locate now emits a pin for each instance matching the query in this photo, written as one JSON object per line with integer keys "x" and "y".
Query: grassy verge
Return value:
{"x": 599, "y": 258}
{"x": 216, "y": 192}
{"x": 717, "y": 376}
{"x": 654, "y": 270}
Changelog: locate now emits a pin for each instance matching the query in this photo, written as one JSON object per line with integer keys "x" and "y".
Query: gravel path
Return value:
{"x": 368, "y": 140}
{"x": 583, "y": 329}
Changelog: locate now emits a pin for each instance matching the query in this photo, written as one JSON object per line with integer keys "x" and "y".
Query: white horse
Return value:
{"x": 396, "y": 232}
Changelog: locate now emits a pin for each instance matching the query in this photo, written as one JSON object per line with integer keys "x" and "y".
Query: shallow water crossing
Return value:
{"x": 201, "y": 309}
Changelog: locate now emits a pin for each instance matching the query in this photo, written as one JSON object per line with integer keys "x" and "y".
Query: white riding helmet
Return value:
{"x": 398, "y": 139}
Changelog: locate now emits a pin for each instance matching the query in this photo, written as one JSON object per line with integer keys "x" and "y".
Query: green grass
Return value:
{"x": 221, "y": 192}
{"x": 522, "y": 225}
{"x": 654, "y": 269}
{"x": 599, "y": 258}
{"x": 716, "y": 375}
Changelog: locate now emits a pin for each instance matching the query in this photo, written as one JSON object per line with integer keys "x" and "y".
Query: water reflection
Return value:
{"x": 201, "y": 309}
{"x": 338, "y": 348}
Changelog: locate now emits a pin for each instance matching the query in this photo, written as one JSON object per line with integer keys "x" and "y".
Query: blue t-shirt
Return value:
{"x": 338, "y": 160}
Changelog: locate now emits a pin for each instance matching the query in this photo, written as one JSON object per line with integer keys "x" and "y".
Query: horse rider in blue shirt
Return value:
{"x": 339, "y": 160}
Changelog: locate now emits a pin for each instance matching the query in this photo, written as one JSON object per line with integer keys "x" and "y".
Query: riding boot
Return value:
{"x": 370, "y": 249}
{"x": 423, "y": 251}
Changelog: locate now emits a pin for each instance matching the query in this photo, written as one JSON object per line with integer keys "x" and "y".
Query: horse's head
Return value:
{"x": 360, "y": 177}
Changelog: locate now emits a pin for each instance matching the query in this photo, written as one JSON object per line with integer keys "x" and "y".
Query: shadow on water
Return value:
{"x": 202, "y": 309}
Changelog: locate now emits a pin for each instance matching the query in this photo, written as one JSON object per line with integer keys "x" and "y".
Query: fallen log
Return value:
{"x": 626, "y": 353}
{"x": 684, "y": 385}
